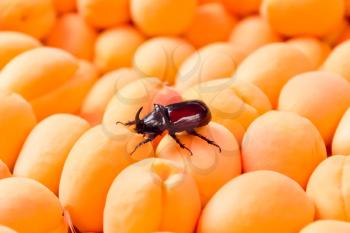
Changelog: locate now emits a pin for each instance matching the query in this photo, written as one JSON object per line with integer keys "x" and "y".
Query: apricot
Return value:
{"x": 341, "y": 139}
{"x": 243, "y": 102}
{"x": 243, "y": 8}
{"x": 155, "y": 192}
{"x": 283, "y": 142}
{"x": 334, "y": 36}
{"x": 35, "y": 17}
{"x": 309, "y": 17}
{"x": 252, "y": 33}
{"x": 211, "y": 23}
{"x": 64, "y": 6}
{"x": 102, "y": 92}
{"x": 168, "y": 18}
{"x": 167, "y": 54}
{"x": 4, "y": 170}
{"x": 74, "y": 35}
{"x": 13, "y": 44}
{"x": 327, "y": 226}
{"x": 320, "y": 96}
{"x": 98, "y": 156}
{"x": 4, "y": 229}
{"x": 115, "y": 47}
{"x": 214, "y": 61}
{"x": 337, "y": 61}
{"x": 46, "y": 149}
{"x": 104, "y": 13}
{"x": 16, "y": 121}
{"x": 271, "y": 66}
{"x": 256, "y": 202}
{"x": 328, "y": 187}
{"x": 316, "y": 50}
{"x": 28, "y": 206}
{"x": 210, "y": 168}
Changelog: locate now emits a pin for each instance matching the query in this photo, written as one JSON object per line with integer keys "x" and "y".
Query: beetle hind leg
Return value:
{"x": 180, "y": 143}
{"x": 194, "y": 133}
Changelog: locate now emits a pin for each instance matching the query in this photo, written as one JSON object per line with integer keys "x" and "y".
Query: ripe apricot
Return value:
{"x": 165, "y": 19}
{"x": 28, "y": 206}
{"x": 4, "y": 229}
{"x": 243, "y": 8}
{"x": 16, "y": 121}
{"x": 252, "y": 33}
{"x": 214, "y": 61}
{"x": 13, "y": 44}
{"x": 334, "y": 36}
{"x": 271, "y": 66}
{"x": 256, "y": 202}
{"x": 104, "y": 13}
{"x": 4, "y": 170}
{"x": 283, "y": 142}
{"x": 243, "y": 102}
{"x": 322, "y": 97}
{"x": 115, "y": 47}
{"x": 64, "y": 6}
{"x": 99, "y": 155}
{"x": 46, "y": 148}
{"x": 102, "y": 92}
{"x": 168, "y": 53}
{"x": 328, "y": 187}
{"x": 155, "y": 192}
{"x": 35, "y": 17}
{"x": 300, "y": 18}
{"x": 211, "y": 23}
{"x": 74, "y": 35}
{"x": 327, "y": 226}
{"x": 341, "y": 139}
{"x": 210, "y": 168}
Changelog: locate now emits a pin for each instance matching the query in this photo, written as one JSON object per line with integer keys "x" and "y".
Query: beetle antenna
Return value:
{"x": 126, "y": 124}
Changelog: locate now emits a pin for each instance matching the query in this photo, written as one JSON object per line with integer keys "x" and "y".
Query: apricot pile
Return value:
{"x": 174, "y": 116}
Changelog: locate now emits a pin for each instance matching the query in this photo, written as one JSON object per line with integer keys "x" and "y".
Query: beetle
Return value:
{"x": 174, "y": 118}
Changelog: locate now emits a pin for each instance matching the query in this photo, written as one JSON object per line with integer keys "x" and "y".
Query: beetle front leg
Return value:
{"x": 126, "y": 124}
{"x": 194, "y": 133}
{"x": 180, "y": 143}
{"x": 150, "y": 139}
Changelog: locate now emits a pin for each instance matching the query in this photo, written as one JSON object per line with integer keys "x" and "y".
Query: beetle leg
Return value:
{"x": 142, "y": 143}
{"x": 180, "y": 143}
{"x": 127, "y": 123}
{"x": 194, "y": 133}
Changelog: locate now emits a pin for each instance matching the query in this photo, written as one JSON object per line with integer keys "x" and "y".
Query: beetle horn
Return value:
{"x": 137, "y": 117}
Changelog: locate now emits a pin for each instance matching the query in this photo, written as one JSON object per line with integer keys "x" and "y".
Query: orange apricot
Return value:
{"x": 334, "y": 36}
{"x": 155, "y": 192}
{"x": 320, "y": 96}
{"x": 212, "y": 23}
{"x": 64, "y": 6}
{"x": 102, "y": 92}
{"x": 115, "y": 47}
{"x": 283, "y": 142}
{"x": 327, "y": 226}
{"x": 210, "y": 168}
{"x": 243, "y": 102}
{"x": 13, "y": 44}
{"x": 284, "y": 61}
{"x": 35, "y": 17}
{"x": 4, "y": 170}
{"x": 74, "y": 35}
{"x": 243, "y": 8}
{"x": 28, "y": 206}
{"x": 214, "y": 61}
{"x": 4, "y": 229}
{"x": 255, "y": 202}
{"x": 252, "y": 33}
{"x": 341, "y": 139}
{"x": 168, "y": 17}
{"x": 168, "y": 53}
{"x": 46, "y": 148}
{"x": 16, "y": 121}
{"x": 309, "y": 17}
{"x": 328, "y": 187}
{"x": 104, "y": 13}
{"x": 99, "y": 155}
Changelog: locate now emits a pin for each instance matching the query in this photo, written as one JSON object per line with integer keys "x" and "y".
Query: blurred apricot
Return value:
{"x": 64, "y": 6}
{"x": 252, "y": 33}
{"x": 322, "y": 97}
{"x": 4, "y": 171}
{"x": 243, "y": 8}
{"x": 74, "y": 35}
{"x": 234, "y": 104}
{"x": 99, "y": 155}
{"x": 334, "y": 36}
{"x": 256, "y": 202}
{"x": 211, "y": 23}
{"x": 16, "y": 121}
{"x": 35, "y": 17}
{"x": 168, "y": 18}
{"x": 104, "y": 13}
{"x": 160, "y": 191}
{"x": 168, "y": 53}
{"x": 13, "y": 44}
{"x": 341, "y": 139}
{"x": 115, "y": 47}
{"x": 306, "y": 18}
{"x": 46, "y": 149}
{"x": 329, "y": 188}
{"x": 25, "y": 203}
{"x": 283, "y": 142}
{"x": 327, "y": 226}
{"x": 4, "y": 229}
{"x": 271, "y": 66}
